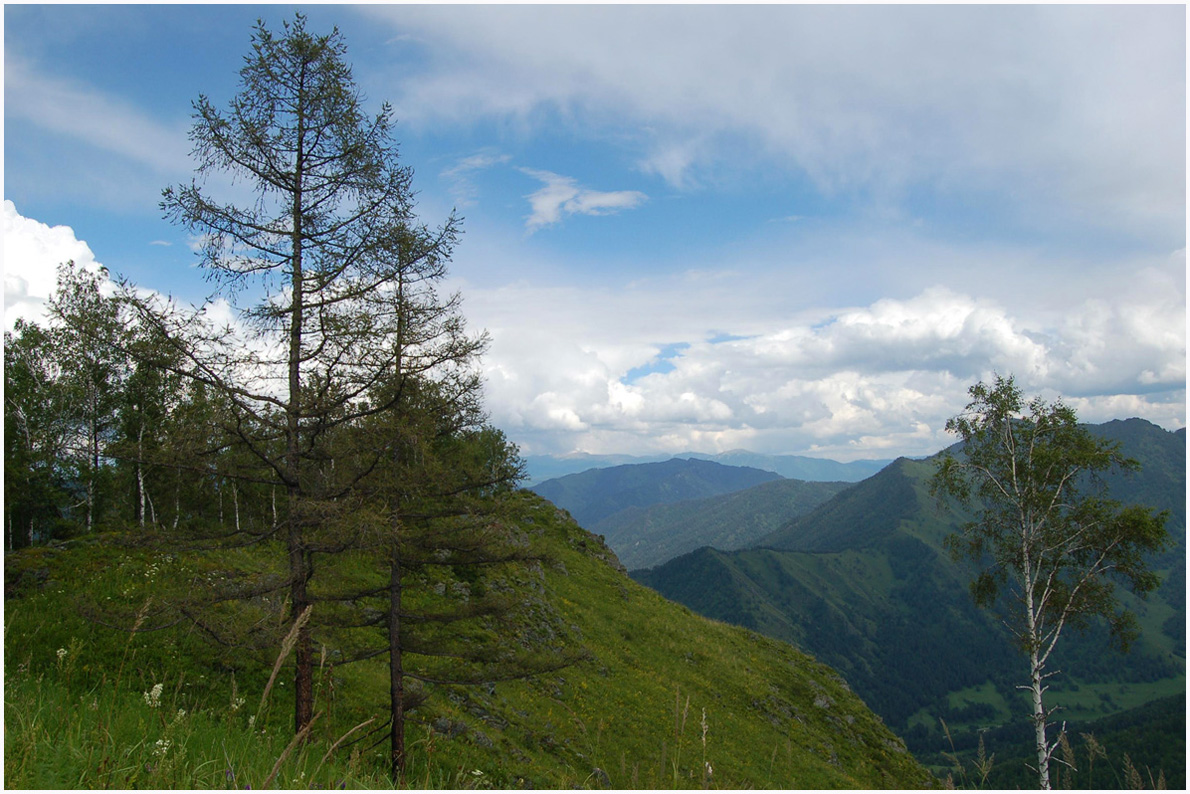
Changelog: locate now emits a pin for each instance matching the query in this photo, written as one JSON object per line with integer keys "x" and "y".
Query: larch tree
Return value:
{"x": 453, "y": 562}
{"x": 1051, "y": 544}
{"x": 321, "y": 253}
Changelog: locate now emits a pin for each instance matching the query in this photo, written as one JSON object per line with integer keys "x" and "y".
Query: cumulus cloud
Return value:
{"x": 561, "y": 195}
{"x": 32, "y": 253}
{"x": 867, "y": 381}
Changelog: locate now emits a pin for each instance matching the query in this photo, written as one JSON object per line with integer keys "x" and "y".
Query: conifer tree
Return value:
{"x": 321, "y": 270}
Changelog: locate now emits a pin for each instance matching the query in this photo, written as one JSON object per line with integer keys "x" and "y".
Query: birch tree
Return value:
{"x": 1052, "y": 546}
{"x": 85, "y": 344}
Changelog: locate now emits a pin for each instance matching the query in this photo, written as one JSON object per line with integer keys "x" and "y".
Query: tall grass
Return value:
{"x": 61, "y": 735}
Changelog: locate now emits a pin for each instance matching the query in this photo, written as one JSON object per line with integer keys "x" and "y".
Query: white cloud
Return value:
{"x": 79, "y": 111}
{"x": 562, "y": 195}
{"x": 1069, "y": 113}
{"x": 848, "y": 382}
{"x": 32, "y": 253}
{"x": 461, "y": 174}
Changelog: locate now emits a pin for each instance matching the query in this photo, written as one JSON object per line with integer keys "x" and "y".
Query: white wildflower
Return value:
{"x": 62, "y": 654}
{"x": 162, "y": 747}
{"x": 153, "y": 696}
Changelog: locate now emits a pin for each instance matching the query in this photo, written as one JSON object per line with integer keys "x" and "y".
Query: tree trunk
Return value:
{"x": 298, "y": 556}
{"x": 92, "y": 452}
{"x": 1035, "y": 664}
{"x": 1039, "y": 722}
{"x": 303, "y": 674}
{"x": 140, "y": 475}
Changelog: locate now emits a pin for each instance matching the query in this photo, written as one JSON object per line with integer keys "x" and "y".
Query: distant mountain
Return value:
{"x": 548, "y": 467}
{"x": 797, "y": 467}
{"x": 593, "y": 495}
{"x": 862, "y": 582}
{"x": 643, "y": 537}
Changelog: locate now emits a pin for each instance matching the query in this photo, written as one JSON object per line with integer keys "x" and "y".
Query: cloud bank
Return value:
{"x": 849, "y": 382}
{"x": 32, "y": 253}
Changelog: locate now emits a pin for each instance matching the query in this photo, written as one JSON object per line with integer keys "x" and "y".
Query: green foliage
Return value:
{"x": 849, "y": 520}
{"x": 891, "y": 612}
{"x": 1045, "y": 534}
{"x": 1148, "y": 742}
{"x": 774, "y": 717}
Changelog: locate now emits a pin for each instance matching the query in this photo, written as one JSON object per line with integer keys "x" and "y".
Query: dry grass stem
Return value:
{"x": 286, "y": 648}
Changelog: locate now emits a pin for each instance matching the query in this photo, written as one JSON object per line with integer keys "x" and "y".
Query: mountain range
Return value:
{"x": 798, "y": 467}
{"x": 863, "y": 583}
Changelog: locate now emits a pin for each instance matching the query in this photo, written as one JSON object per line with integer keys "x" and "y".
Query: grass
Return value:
{"x": 666, "y": 699}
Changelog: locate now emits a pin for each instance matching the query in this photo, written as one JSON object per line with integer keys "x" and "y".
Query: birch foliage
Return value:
{"x": 1050, "y": 544}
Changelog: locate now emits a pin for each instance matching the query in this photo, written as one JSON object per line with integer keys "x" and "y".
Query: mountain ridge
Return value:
{"x": 863, "y": 583}
{"x": 798, "y": 467}
{"x": 595, "y": 494}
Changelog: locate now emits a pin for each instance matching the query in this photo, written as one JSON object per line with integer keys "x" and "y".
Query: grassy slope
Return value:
{"x": 631, "y": 716}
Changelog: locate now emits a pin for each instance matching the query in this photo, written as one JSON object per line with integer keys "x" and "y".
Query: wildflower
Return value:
{"x": 236, "y": 704}
{"x": 61, "y": 654}
{"x": 251, "y": 720}
{"x": 153, "y": 696}
{"x": 162, "y": 747}
{"x": 181, "y": 713}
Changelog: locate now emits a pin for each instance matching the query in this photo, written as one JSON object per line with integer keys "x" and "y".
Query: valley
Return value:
{"x": 863, "y": 583}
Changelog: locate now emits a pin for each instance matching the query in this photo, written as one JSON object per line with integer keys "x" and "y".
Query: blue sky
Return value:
{"x": 792, "y": 229}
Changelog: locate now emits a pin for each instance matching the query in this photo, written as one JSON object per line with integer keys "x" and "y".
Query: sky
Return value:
{"x": 789, "y": 229}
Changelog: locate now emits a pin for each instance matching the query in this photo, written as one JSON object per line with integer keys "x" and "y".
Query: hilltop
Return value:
{"x": 631, "y": 715}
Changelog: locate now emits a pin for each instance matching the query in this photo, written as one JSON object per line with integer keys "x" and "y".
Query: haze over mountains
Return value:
{"x": 798, "y": 467}
{"x": 856, "y": 575}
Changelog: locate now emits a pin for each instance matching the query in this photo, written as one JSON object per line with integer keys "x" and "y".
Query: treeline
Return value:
{"x": 99, "y": 436}
{"x": 335, "y": 420}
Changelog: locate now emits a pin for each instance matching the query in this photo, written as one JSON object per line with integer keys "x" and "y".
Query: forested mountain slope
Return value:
{"x": 863, "y": 584}
{"x": 592, "y": 496}
{"x": 797, "y": 467}
{"x": 643, "y": 537}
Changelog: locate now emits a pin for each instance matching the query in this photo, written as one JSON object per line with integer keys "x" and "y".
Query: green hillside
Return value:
{"x": 592, "y": 496}
{"x": 665, "y": 699}
{"x": 863, "y": 584}
{"x": 643, "y": 537}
